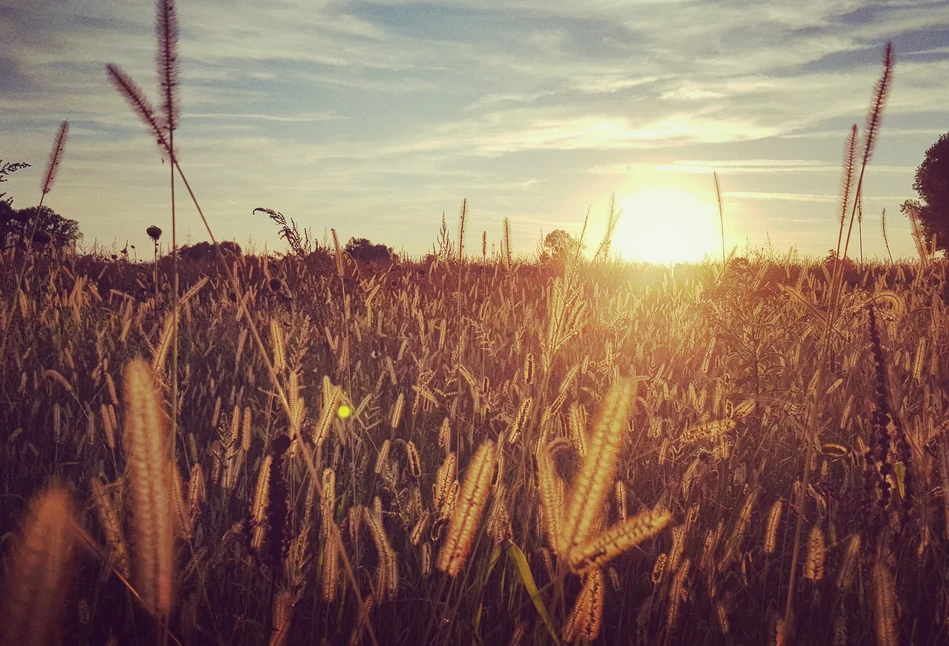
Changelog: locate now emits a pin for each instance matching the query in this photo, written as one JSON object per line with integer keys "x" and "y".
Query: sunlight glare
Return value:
{"x": 662, "y": 225}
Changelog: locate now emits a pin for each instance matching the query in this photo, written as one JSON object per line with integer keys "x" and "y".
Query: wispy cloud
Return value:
{"x": 377, "y": 116}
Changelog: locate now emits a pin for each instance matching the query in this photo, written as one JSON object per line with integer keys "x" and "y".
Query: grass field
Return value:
{"x": 302, "y": 448}
{"x": 699, "y": 465}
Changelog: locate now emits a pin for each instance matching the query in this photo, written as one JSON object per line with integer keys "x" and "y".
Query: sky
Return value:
{"x": 375, "y": 118}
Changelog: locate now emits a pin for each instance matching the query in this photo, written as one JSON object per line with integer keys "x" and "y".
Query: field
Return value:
{"x": 303, "y": 447}
{"x": 626, "y": 451}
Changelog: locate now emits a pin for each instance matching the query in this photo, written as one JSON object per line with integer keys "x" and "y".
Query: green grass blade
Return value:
{"x": 517, "y": 557}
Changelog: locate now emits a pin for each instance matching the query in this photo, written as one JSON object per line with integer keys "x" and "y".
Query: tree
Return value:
{"x": 52, "y": 228}
{"x": 5, "y": 170}
{"x": 559, "y": 247}
{"x": 204, "y": 251}
{"x": 932, "y": 184}
{"x": 361, "y": 250}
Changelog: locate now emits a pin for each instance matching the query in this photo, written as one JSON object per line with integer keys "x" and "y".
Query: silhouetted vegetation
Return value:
{"x": 932, "y": 185}
{"x": 52, "y": 228}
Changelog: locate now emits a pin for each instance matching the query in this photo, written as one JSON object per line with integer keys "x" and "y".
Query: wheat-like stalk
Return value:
{"x": 397, "y": 410}
{"x": 332, "y": 395}
{"x": 552, "y": 491}
{"x": 150, "y": 480}
{"x": 35, "y": 586}
{"x": 816, "y": 555}
{"x": 444, "y": 479}
{"x": 659, "y": 568}
{"x": 386, "y": 583}
{"x": 677, "y": 594}
{"x": 282, "y": 616}
{"x": 848, "y": 563}
{"x": 462, "y": 221}
{"x": 774, "y": 521}
{"x": 278, "y": 345}
{"x": 607, "y": 546}
{"x": 587, "y": 614}
{"x": 444, "y": 435}
{"x": 184, "y": 526}
{"x": 621, "y": 508}
{"x": 258, "y": 511}
{"x": 160, "y": 356}
{"x": 467, "y": 515}
{"x": 111, "y": 527}
{"x": 596, "y": 473}
{"x": 678, "y": 547}
{"x": 520, "y": 420}
{"x": 885, "y": 608}
{"x": 708, "y": 431}
{"x": 329, "y": 574}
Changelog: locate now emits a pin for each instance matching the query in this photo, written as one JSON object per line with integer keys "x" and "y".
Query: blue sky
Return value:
{"x": 375, "y": 117}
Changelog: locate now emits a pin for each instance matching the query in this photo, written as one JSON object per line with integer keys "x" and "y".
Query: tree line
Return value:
{"x": 928, "y": 215}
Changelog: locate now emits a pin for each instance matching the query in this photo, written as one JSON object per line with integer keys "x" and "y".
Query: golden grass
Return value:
{"x": 616, "y": 540}
{"x": 467, "y": 514}
{"x": 35, "y": 587}
{"x": 150, "y": 481}
{"x": 587, "y": 614}
{"x": 586, "y": 495}
{"x": 506, "y": 365}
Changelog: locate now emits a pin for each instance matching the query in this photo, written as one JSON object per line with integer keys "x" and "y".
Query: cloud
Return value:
{"x": 391, "y": 110}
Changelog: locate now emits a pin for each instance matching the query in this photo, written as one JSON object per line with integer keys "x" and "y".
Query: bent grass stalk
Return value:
{"x": 137, "y": 100}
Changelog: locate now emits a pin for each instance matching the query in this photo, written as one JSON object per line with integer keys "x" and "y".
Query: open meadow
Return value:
{"x": 625, "y": 451}
{"x": 312, "y": 447}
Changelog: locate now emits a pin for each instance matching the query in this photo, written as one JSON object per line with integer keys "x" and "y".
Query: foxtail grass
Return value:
{"x": 52, "y": 168}
{"x": 595, "y": 477}
{"x": 35, "y": 586}
{"x": 586, "y": 617}
{"x": 816, "y": 391}
{"x": 150, "y": 481}
{"x": 470, "y": 508}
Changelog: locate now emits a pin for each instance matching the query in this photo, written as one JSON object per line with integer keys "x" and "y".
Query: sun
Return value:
{"x": 662, "y": 225}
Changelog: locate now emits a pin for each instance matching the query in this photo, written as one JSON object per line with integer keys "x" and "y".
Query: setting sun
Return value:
{"x": 661, "y": 225}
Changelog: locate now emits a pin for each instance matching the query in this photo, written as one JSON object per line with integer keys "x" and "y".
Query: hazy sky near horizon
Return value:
{"x": 376, "y": 117}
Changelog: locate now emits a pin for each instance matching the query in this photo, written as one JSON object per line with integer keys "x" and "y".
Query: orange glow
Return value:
{"x": 661, "y": 225}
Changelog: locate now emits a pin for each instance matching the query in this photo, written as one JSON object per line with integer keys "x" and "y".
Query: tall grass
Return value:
{"x": 477, "y": 451}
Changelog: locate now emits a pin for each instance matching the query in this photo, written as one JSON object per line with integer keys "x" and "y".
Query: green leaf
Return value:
{"x": 495, "y": 557}
{"x": 517, "y": 557}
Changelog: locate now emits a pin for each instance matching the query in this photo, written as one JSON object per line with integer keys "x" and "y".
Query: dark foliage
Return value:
{"x": 362, "y": 250}
{"x": 932, "y": 184}
{"x": 5, "y": 170}
{"x": 204, "y": 251}
{"x": 52, "y": 229}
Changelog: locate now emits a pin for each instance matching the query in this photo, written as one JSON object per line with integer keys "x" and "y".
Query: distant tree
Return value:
{"x": 5, "y": 170}
{"x": 362, "y": 250}
{"x": 204, "y": 251}
{"x": 932, "y": 185}
{"x": 52, "y": 229}
{"x": 558, "y": 247}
